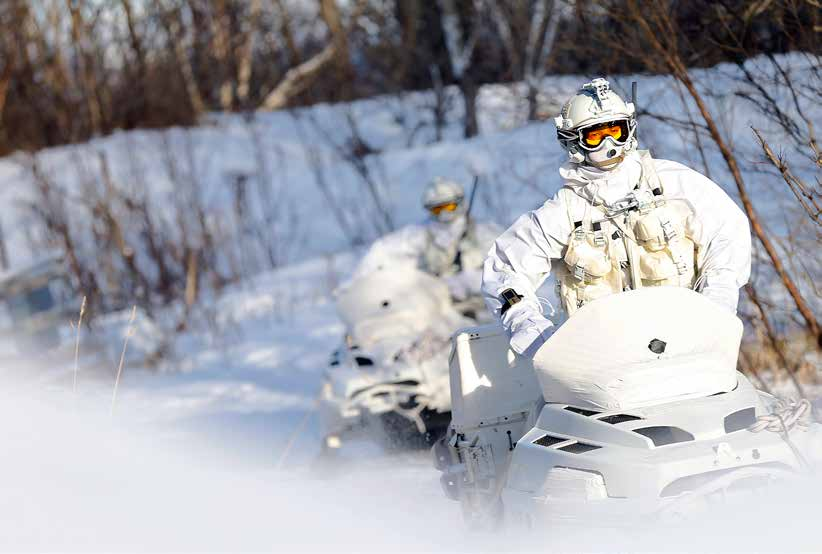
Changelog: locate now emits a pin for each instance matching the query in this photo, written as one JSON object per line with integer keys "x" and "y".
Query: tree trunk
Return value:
{"x": 175, "y": 35}
{"x": 247, "y": 53}
{"x": 459, "y": 26}
{"x": 141, "y": 104}
{"x": 286, "y": 30}
{"x": 680, "y": 72}
{"x": 470, "y": 91}
{"x": 88, "y": 77}
{"x": 298, "y": 79}
{"x": 339, "y": 36}
{"x": 408, "y": 16}
{"x": 221, "y": 47}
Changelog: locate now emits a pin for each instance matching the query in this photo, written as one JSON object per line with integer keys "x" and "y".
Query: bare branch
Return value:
{"x": 247, "y": 52}
{"x": 808, "y": 198}
{"x": 298, "y": 79}
{"x": 667, "y": 49}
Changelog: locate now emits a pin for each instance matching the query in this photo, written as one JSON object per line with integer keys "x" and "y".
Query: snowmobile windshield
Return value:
{"x": 30, "y": 303}
{"x": 653, "y": 346}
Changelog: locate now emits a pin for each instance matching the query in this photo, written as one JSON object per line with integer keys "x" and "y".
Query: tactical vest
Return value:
{"x": 642, "y": 244}
{"x": 461, "y": 253}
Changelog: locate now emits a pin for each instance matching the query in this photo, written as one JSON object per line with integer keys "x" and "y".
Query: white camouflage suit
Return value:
{"x": 434, "y": 247}
{"x": 522, "y": 256}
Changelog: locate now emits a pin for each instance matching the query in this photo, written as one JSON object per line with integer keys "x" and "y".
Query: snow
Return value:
{"x": 195, "y": 459}
{"x": 194, "y": 455}
{"x": 516, "y": 160}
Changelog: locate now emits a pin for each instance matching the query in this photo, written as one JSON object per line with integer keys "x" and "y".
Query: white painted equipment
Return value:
{"x": 635, "y": 408}
{"x": 392, "y": 370}
{"x": 36, "y": 301}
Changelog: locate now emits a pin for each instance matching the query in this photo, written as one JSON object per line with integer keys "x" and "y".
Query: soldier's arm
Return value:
{"x": 520, "y": 261}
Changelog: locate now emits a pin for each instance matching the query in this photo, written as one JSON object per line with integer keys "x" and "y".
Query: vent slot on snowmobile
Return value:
{"x": 363, "y": 361}
{"x": 407, "y": 383}
{"x": 582, "y": 411}
{"x": 579, "y": 448}
{"x": 664, "y": 435}
{"x": 739, "y": 420}
{"x": 619, "y": 418}
{"x": 549, "y": 440}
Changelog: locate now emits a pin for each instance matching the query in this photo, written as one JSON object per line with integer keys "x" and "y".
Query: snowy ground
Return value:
{"x": 194, "y": 459}
{"x": 194, "y": 456}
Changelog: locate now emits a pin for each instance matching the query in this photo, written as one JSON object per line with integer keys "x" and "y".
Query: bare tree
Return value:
{"x": 139, "y": 54}
{"x": 246, "y": 56}
{"x": 222, "y": 47}
{"x": 460, "y": 20}
{"x": 171, "y": 19}
{"x": 339, "y": 37}
{"x": 79, "y": 35}
{"x": 528, "y": 29}
{"x": 809, "y": 197}
{"x": 657, "y": 29}
{"x": 299, "y": 78}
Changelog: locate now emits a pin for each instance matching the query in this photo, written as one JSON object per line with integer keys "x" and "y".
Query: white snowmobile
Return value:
{"x": 390, "y": 378}
{"x": 640, "y": 411}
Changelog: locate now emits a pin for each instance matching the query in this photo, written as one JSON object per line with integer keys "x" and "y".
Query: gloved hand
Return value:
{"x": 725, "y": 296}
{"x": 464, "y": 284}
{"x": 529, "y": 329}
{"x": 527, "y": 340}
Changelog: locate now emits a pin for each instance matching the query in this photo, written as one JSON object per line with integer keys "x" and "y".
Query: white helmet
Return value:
{"x": 443, "y": 198}
{"x": 596, "y": 126}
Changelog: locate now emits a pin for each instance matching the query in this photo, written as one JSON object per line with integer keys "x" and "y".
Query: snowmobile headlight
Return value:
{"x": 574, "y": 484}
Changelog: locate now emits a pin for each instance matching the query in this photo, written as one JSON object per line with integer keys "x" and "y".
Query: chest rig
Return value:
{"x": 641, "y": 241}
{"x": 447, "y": 256}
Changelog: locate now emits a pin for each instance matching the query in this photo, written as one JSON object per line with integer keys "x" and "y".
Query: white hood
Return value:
{"x": 445, "y": 234}
{"x": 603, "y": 186}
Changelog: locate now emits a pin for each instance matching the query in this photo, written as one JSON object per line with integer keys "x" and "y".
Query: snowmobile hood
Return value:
{"x": 391, "y": 310}
{"x": 601, "y": 186}
{"x": 640, "y": 348}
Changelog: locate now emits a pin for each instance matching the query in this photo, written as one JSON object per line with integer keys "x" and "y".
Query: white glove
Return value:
{"x": 464, "y": 284}
{"x": 529, "y": 329}
{"x": 527, "y": 339}
{"x": 727, "y": 296}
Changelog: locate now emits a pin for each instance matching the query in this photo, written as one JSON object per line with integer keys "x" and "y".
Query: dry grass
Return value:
{"x": 792, "y": 359}
{"x": 129, "y": 333}
{"x": 77, "y": 344}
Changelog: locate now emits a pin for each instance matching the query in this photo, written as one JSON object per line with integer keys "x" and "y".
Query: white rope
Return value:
{"x": 785, "y": 415}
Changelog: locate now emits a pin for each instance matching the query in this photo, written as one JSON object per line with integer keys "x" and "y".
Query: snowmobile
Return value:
{"x": 36, "y": 301}
{"x": 390, "y": 378}
{"x": 638, "y": 411}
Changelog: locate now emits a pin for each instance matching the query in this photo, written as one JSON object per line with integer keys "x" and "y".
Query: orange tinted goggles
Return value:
{"x": 450, "y": 207}
{"x": 593, "y": 136}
